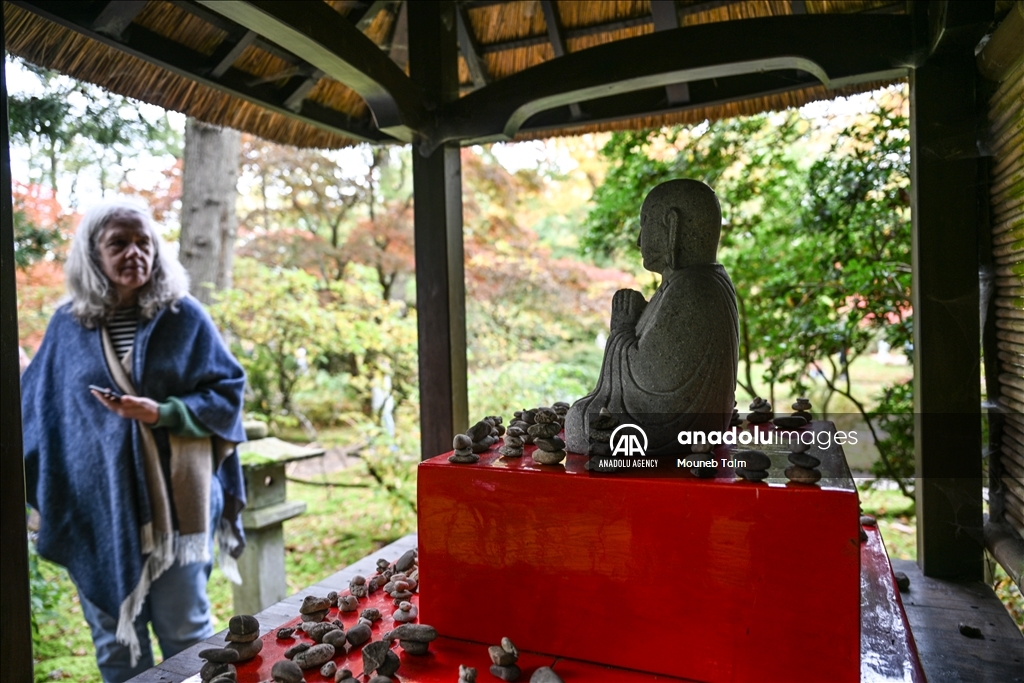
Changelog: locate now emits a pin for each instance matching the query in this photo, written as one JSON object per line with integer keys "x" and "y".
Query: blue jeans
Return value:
{"x": 177, "y": 607}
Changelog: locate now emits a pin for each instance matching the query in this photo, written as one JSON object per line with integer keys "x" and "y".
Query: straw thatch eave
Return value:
{"x": 235, "y": 78}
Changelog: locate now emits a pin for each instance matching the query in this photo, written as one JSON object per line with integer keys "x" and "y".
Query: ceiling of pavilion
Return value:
{"x": 218, "y": 62}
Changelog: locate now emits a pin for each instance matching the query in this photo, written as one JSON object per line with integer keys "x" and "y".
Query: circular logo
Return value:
{"x": 629, "y": 440}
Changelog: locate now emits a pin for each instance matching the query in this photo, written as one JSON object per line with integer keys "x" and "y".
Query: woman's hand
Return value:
{"x": 140, "y": 408}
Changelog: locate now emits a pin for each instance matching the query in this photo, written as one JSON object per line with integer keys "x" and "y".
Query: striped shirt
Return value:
{"x": 122, "y": 329}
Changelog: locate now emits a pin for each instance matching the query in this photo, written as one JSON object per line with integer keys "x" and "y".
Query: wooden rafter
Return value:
{"x": 557, "y": 39}
{"x": 470, "y": 49}
{"x": 666, "y": 18}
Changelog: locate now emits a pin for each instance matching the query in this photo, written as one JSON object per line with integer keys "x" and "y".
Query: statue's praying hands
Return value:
{"x": 627, "y": 307}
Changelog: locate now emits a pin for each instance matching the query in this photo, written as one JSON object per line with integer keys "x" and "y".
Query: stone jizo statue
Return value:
{"x": 674, "y": 356}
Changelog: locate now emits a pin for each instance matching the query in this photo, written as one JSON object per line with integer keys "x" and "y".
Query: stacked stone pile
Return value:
{"x": 514, "y": 441}
{"x": 757, "y": 464}
{"x": 545, "y": 430}
{"x": 760, "y": 411}
{"x": 804, "y": 466}
{"x": 243, "y": 644}
{"x": 599, "y": 436}
{"x": 503, "y": 661}
{"x": 799, "y": 418}
{"x": 378, "y": 657}
{"x": 413, "y": 638}
{"x": 523, "y": 420}
{"x": 463, "y": 445}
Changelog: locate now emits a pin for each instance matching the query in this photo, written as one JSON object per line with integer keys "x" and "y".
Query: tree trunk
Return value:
{"x": 208, "y": 219}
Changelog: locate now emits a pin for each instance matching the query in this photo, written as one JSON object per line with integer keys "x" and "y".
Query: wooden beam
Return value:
{"x": 115, "y": 17}
{"x": 16, "y": 639}
{"x": 947, "y": 192}
{"x": 293, "y": 101}
{"x": 666, "y": 19}
{"x": 471, "y": 49}
{"x": 437, "y": 207}
{"x": 228, "y": 53}
{"x": 167, "y": 54}
{"x": 837, "y": 49}
{"x": 323, "y": 38}
{"x": 595, "y": 29}
{"x": 398, "y": 43}
{"x": 557, "y": 40}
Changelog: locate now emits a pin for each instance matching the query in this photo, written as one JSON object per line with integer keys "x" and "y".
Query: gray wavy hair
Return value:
{"x": 92, "y": 296}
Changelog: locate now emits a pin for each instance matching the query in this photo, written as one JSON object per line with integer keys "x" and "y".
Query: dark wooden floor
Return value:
{"x": 935, "y": 608}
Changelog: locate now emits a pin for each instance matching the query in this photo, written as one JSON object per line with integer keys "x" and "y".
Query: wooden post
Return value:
{"x": 16, "y": 649}
{"x": 947, "y": 393}
{"x": 437, "y": 192}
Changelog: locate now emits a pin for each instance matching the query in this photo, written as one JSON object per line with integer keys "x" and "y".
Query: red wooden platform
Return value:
{"x": 887, "y": 650}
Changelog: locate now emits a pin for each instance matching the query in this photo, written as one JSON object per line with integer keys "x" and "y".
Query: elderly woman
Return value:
{"x": 132, "y": 408}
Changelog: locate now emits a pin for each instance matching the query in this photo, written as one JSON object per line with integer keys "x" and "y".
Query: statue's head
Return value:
{"x": 680, "y": 223}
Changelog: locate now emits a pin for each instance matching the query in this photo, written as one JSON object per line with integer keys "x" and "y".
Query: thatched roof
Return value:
{"x": 506, "y": 38}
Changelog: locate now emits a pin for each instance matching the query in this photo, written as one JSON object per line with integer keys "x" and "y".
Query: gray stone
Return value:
{"x": 224, "y": 678}
{"x": 510, "y": 672}
{"x": 545, "y": 415}
{"x": 337, "y": 638}
{"x": 348, "y": 603}
{"x": 285, "y": 633}
{"x": 511, "y": 451}
{"x": 550, "y": 445}
{"x": 315, "y": 657}
{"x": 420, "y": 633}
{"x": 902, "y": 581}
{"x": 863, "y": 535}
{"x": 467, "y": 674}
{"x": 342, "y": 675}
{"x": 754, "y": 459}
{"x": 247, "y": 651}
{"x": 243, "y": 624}
{"x": 359, "y": 634}
{"x": 220, "y": 655}
{"x": 296, "y": 650}
{"x": 390, "y": 665}
{"x": 542, "y": 457}
{"x": 464, "y": 459}
{"x": 318, "y": 631}
{"x": 752, "y": 475}
{"x": 374, "y": 655}
{"x": 804, "y": 460}
{"x": 328, "y": 670}
{"x": 599, "y": 450}
{"x": 802, "y": 404}
{"x": 545, "y": 674}
{"x": 314, "y": 616}
{"x": 462, "y": 442}
{"x": 481, "y": 447}
{"x": 802, "y": 475}
{"x": 868, "y": 520}
{"x": 211, "y": 670}
{"x": 406, "y": 562}
{"x": 312, "y": 604}
{"x": 528, "y": 416}
{"x": 506, "y": 643}
{"x": 543, "y": 430}
{"x": 415, "y": 648}
{"x": 406, "y": 612}
{"x": 286, "y": 671}
{"x": 399, "y": 596}
{"x": 380, "y": 679}
{"x": 789, "y": 422}
{"x": 479, "y": 431}
{"x": 758, "y": 418}
{"x": 500, "y": 657}
{"x": 371, "y": 614}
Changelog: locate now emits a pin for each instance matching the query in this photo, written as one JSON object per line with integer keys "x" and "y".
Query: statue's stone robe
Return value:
{"x": 677, "y": 367}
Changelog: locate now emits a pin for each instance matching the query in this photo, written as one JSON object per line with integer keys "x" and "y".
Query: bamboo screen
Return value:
{"x": 1006, "y": 119}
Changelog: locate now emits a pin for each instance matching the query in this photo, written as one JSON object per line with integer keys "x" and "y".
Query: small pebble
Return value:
{"x": 333, "y": 597}
{"x": 406, "y": 612}
{"x": 868, "y": 520}
{"x": 371, "y": 614}
{"x": 752, "y": 475}
{"x": 464, "y": 459}
{"x": 550, "y": 444}
{"x": 328, "y": 670}
{"x": 311, "y": 604}
{"x": 500, "y": 657}
{"x": 508, "y": 646}
{"x": 348, "y": 603}
{"x": 382, "y": 565}
{"x": 390, "y": 665}
{"x": 319, "y": 630}
{"x": 544, "y": 430}
{"x": 542, "y": 457}
{"x": 358, "y": 634}
{"x": 243, "y": 624}
{"x": 802, "y": 475}
{"x": 789, "y": 421}
{"x": 342, "y": 675}
{"x": 247, "y": 651}
{"x": 286, "y": 671}
{"x": 415, "y": 648}
{"x": 902, "y": 581}
{"x": 314, "y": 616}
{"x": 315, "y": 657}
{"x": 224, "y": 678}
{"x": 380, "y": 679}
{"x": 863, "y": 535}
{"x": 756, "y": 460}
{"x": 462, "y": 442}
{"x": 285, "y": 633}
{"x": 374, "y": 655}
{"x": 545, "y": 674}
{"x": 213, "y": 669}
{"x": 545, "y": 415}
{"x": 467, "y": 674}
{"x": 421, "y": 633}
{"x": 506, "y": 673}
{"x": 337, "y": 638}
{"x": 297, "y": 649}
{"x": 969, "y": 630}
{"x": 805, "y": 460}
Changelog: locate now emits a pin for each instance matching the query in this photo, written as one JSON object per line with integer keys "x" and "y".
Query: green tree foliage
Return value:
{"x": 818, "y": 246}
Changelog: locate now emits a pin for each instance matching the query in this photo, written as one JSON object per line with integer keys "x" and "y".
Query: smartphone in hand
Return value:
{"x": 108, "y": 393}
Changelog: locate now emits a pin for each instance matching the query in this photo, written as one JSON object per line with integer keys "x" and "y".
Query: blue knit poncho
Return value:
{"x": 84, "y": 464}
